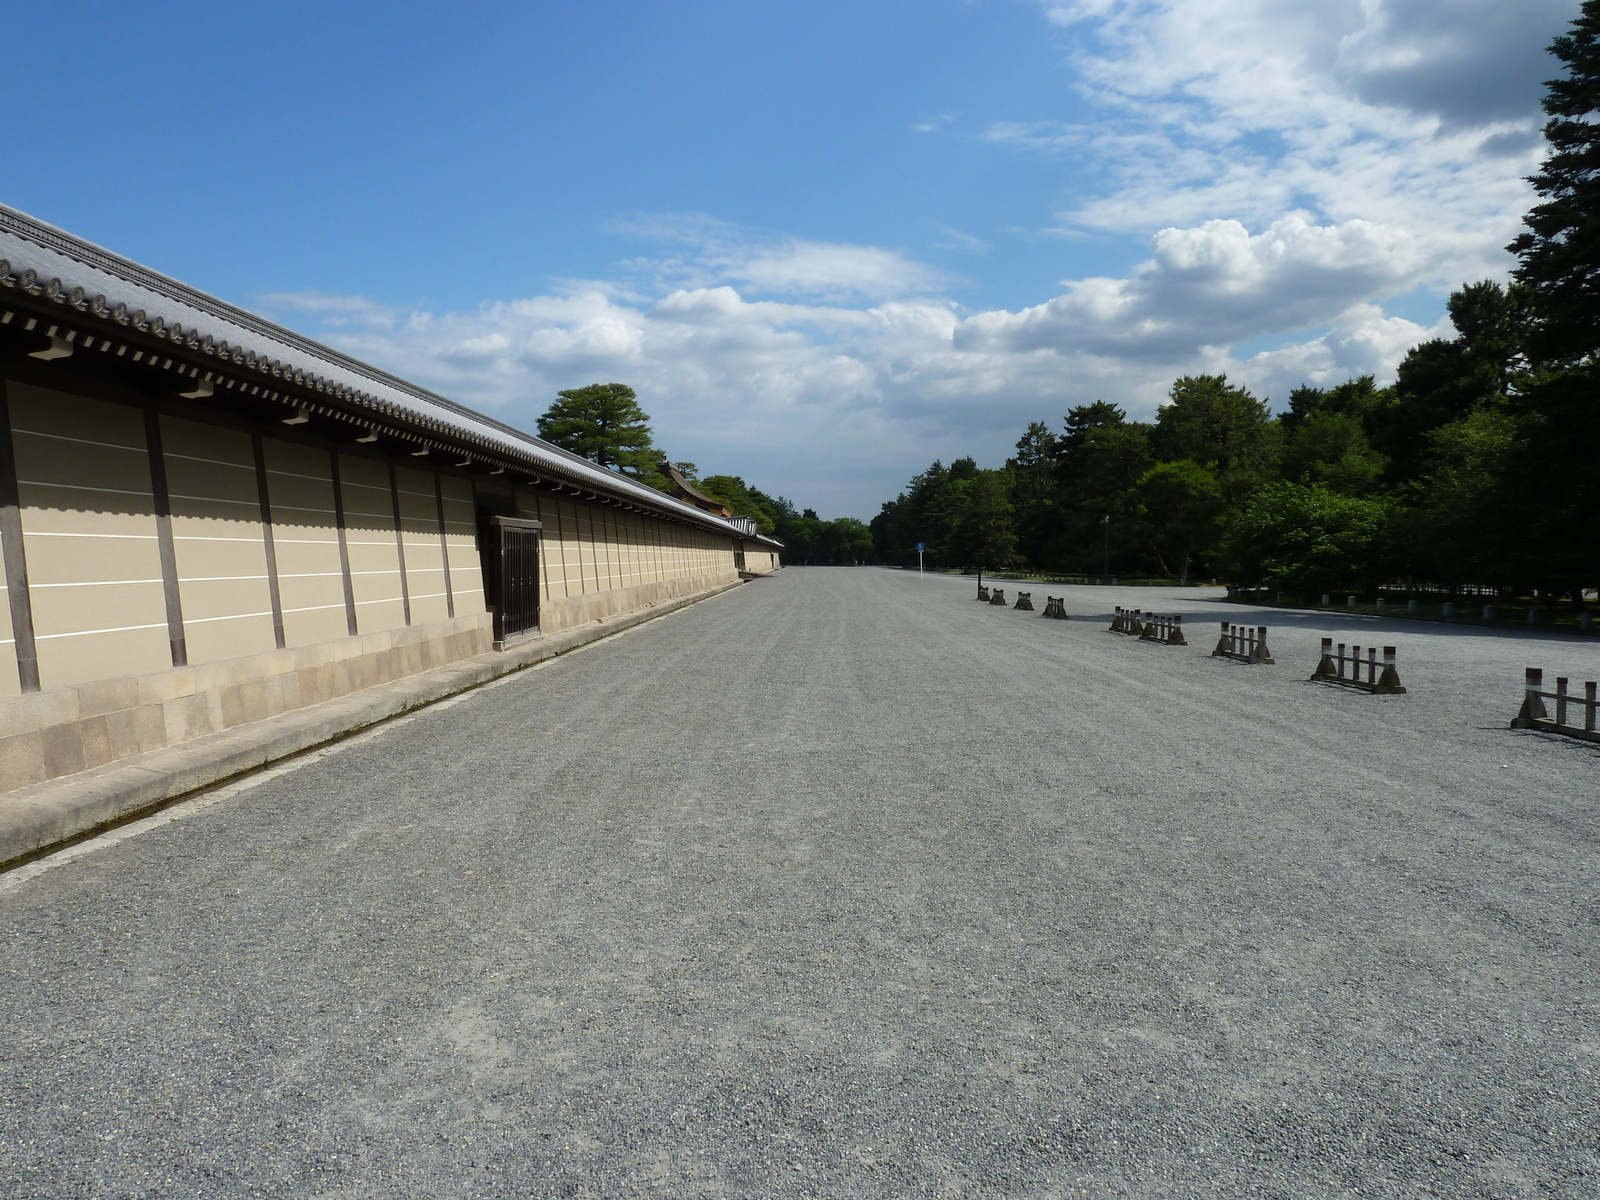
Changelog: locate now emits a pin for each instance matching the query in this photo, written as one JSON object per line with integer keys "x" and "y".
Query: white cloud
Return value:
{"x": 334, "y": 311}
{"x": 1294, "y": 165}
{"x": 1409, "y": 113}
{"x": 1208, "y": 286}
{"x": 709, "y": 251}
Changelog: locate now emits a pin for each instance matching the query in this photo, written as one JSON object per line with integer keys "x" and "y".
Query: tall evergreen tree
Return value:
{"x": 1560, "y": 253}
{"x": 983, "y": 535}
{"x": 1033, "y": 493}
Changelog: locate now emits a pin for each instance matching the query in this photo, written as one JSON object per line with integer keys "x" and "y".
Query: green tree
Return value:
{"x": 1223, "y": 428}
{"x": 741, "y": 498}
{"x": 984, "y": 535}
{"x": 1182, "y": 506}
{"x": 927, "y": 511}
{"x": 844, "y": 541}
{"x": 1359, "y": 398}
{"x": 1549, "y": 490}
{"x": 1306, "y": 538}
{"x": 1444, "y": 380}
{"x": 604, "y": 423}
{"x": 1102, "y": 456}
{"x": 1331, "y": 448}
{"x": 1560, "y": 253}
{"x": 1034, "y": 490}
{"x": 1453, "y": 531}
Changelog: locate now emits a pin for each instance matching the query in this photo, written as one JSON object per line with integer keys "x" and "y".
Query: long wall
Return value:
{"x": 597, "y": 560}
{"x": 184, "y": 577}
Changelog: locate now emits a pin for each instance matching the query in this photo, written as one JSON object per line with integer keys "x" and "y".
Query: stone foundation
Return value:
{"x": 559, "y": 614}
{"x": 44, "y": 735}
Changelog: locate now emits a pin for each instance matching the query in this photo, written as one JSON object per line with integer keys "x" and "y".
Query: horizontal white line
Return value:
{"x": 45, "y": 637}
{"x": 255, "y": 503}
{"x": 309, "y": 574}
{"x": 61, "y": 437}
{"x": 216, "y": 462}
{"x": 188, "y": 620}
{"x": 313, "y": 608}
{"x": 137, "y": 537}
{"x": 301, "y": 508}
{"x": 216, "y": 578}
{"x": 32, "y": 586}
{"x": 81, "y": 487}
{"x": 206, "y": 537}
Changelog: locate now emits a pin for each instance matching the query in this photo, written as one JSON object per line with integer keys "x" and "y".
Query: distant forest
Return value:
{"x": 806, "y": 538}
{"x": 1467, "y": 471}
{"x": 1479, "y": 467}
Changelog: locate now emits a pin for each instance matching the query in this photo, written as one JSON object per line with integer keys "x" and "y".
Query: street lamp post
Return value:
{"x": 1105, "y": 563}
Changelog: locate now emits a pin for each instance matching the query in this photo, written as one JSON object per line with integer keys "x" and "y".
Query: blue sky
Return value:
{"x": 827, "y": 242}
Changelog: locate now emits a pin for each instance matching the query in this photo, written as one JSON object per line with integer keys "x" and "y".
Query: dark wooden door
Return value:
{"x": 516, "y": 578}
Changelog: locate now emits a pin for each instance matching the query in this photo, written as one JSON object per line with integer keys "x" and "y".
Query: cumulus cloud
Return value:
{"x": 1209, "y": 286}
{"x": 1293, "y": 165}
{"x": 838, "y": 404}
{"x": 1411, "y": 113}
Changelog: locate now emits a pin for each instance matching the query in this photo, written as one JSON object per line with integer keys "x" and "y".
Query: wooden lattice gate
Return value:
{"x": 514, "y": 563}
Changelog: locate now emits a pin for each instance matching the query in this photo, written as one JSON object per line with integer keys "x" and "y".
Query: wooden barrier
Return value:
{"x": 1055, "y": 606}
{"x": 983, "y": 594}
{"x": 1166, "y": 630}
{"x": 1331, "y": 669}
{"x": 998, "y": 596}
{"x": 1243, "y": 643}
{"x": 1024, "y": 601}
{"x": 1128, "y": 620}
{"x": 1534, "y": 715}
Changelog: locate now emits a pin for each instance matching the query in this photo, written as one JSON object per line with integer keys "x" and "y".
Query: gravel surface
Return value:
{"x": 842, "y": 884}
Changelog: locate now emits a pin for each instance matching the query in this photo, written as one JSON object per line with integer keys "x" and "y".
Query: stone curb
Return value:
{"x": 43, "y": 815}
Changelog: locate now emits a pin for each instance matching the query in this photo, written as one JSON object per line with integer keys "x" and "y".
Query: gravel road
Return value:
{"x": 842, "y": 884}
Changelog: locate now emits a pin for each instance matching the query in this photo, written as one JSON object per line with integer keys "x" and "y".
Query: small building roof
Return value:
{"x": 687, "y": 491}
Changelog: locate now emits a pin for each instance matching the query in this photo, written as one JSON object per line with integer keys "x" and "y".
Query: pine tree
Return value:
{"x": 604, "y": 423}
{"x": 1561, "y": 252}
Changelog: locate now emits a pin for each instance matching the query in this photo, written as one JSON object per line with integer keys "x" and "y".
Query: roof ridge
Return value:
{"x": 52, "y": 237}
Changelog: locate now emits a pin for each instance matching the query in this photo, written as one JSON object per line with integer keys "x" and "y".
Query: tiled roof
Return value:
{"x": 43, "y": 261}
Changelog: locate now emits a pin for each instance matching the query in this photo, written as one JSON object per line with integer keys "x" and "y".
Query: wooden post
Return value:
{"x": 1388, "y": 684}
{"x": 1260, "y": 652}
{"x": 1532, "y": 705}
{"x": 1325, "y": 661}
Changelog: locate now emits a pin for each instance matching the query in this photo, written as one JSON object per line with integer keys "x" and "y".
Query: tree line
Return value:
{"x": 604, "y": 423}
{"x": 1479, "y": 466}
